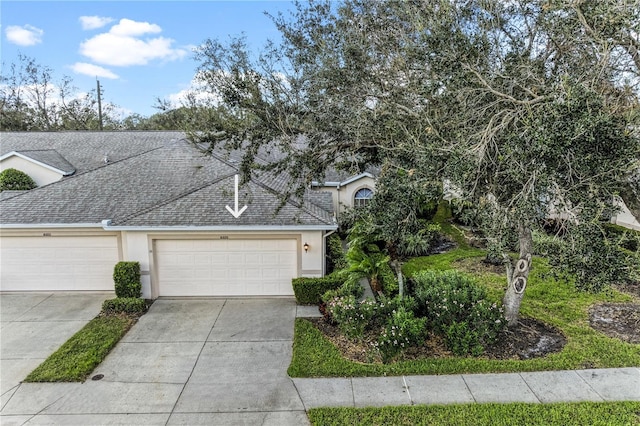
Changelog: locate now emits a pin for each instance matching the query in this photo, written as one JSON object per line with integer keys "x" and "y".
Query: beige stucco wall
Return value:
{"x": 343, "y": 196}
{"x": 41, "y": 175}
{"x": 138, "y": 246}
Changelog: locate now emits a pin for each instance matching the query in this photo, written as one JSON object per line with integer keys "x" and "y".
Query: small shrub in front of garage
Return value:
{"x": 126, "y": 276}
{"x": 124, "y": 305}
{"x": 309, "y": 291}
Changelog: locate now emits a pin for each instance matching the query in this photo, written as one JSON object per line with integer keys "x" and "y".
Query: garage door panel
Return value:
{"x": 58, "y": 263}
{"x": 226, "y": 267}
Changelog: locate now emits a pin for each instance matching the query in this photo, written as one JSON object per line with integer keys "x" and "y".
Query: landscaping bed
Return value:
{"x": 556, "y": 332}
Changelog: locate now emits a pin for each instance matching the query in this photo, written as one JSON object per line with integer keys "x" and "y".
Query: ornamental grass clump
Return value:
{"x": 456, "y": 308}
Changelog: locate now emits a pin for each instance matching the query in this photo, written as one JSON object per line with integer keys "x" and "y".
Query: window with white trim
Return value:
{"x": 362, "y": 197}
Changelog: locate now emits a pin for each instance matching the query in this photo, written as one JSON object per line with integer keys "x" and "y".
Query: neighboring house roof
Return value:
{"x": 169, "y": 184}
{"x": 48, "y": 158}
{"x": 346, "y": 181}
{"x": 86, "y": 150}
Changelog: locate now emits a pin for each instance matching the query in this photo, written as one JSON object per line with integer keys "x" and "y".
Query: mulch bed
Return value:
{"x": 530, "y": 339}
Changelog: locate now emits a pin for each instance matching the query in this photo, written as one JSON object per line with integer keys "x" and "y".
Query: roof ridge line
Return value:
{"x": 175, "y": 198}
{"x": 255, "y": 180}
{"x": 296, "y": 204}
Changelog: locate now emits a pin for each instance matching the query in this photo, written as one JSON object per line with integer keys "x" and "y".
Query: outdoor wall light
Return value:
{"x": 306, "y": 247}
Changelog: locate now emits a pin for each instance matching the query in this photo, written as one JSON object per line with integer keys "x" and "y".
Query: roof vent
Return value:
{"x": 106, "y": 159}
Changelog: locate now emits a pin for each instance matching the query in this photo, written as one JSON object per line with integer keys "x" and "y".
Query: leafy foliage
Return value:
{"x": 15, "y": 180}
{"x": 596, "y": 258}
{"x": 335, "y": 253}
{"x": 456, "y": 307}
{"x": 402, "y": 331}
{"x": 126, "y": 276}
{"x": 308, "y": 290}
{"x": 124, "y": 305}
{"x": 460, "y": 90}
{"x": 31, "y": 100}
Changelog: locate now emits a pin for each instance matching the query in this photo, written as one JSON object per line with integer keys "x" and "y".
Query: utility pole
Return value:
{"x": 99, "y": 104}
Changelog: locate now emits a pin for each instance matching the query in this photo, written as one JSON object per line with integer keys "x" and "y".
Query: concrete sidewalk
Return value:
{"x": 617, "y": 384}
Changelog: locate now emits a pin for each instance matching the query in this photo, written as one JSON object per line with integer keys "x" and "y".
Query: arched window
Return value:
{"x": 362, "y": 197}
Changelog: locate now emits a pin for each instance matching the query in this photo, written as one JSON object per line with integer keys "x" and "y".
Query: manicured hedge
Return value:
{"x": 126, "y": 276}
{"x": 309, "y": 291}
{"x": 124, "y": 305}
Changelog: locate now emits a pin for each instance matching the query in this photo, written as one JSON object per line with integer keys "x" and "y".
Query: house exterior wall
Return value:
{"x": 41, "y": 175}
{"x": 343, "y": 195}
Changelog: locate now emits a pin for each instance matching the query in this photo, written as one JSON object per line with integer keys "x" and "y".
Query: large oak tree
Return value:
{"x": 530, "y": 106}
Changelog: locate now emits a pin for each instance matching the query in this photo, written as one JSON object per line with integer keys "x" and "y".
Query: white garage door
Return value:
{"x": 57, "y": 263}
{"x": 226, "y": 267}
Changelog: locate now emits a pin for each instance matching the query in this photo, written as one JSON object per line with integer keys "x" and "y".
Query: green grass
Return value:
{"x": 556, "y": 303}
{"x": 79, "y": 355}
{"x": 565, "y": 414}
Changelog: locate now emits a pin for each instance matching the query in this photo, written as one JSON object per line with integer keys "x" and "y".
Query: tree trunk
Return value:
{"x": 375, "y": 285}
{"x": 397, "y": 267}
{"x": 517, "y": 276}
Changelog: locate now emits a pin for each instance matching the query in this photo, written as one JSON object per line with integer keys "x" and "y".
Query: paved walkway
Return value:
{"x": 216, "y": 361}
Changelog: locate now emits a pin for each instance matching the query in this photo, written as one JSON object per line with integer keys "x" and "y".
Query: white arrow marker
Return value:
{"x": 235, "y": 212}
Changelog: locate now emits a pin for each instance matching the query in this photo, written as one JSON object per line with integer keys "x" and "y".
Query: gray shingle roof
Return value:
{"x": 51, "y": 158}
{"x": 161, "y": 185}
{"x": 87, "y": 150}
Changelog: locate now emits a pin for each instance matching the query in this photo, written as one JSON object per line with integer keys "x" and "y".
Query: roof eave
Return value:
{"x": 222, "y": 228}
{"x": 39, "y": 163}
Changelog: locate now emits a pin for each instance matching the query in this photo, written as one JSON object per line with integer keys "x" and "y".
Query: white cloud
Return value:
{"x": 27, "y": 35}
{"x": 127, "y": 27}
{"x": 123, "y": 45}
{"x": 94, "y": 22}
{"x": 93, "y": 70}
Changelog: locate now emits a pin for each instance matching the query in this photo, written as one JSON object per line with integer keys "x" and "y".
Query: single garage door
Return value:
{"x": 226, "y": 267}
{"x": 57, "y": 263}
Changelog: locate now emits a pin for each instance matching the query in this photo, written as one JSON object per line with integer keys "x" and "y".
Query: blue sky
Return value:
{"x": 139, "y": 50}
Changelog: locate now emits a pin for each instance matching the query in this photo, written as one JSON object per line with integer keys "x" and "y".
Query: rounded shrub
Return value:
{"x": 15, "y": 180}
{"x": 126, "y": 277}
{"x": 455, "y": 307}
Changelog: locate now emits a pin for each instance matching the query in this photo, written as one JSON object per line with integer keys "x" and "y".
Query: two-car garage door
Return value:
{"x": 226, "y": 267}
{"x": 58, "y": 263}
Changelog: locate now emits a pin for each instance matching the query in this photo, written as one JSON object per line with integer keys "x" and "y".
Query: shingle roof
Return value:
{"x": 162, "y": 185}
{"x": 86, "y": 150}
{"x": 51, "y": 158}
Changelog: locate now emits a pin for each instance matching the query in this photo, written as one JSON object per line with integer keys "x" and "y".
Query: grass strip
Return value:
{"x": 79, "y": 355}
{"x": 563, "y": 414}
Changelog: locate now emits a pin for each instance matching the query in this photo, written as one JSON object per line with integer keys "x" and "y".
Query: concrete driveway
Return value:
{"x": 33, "y": 325}
{"x": 199, "y": 361}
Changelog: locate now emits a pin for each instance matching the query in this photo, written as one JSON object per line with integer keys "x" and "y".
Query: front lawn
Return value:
{"x": 565, "y": 414}
{"x": 79, "y": 355}
{"x": 556, "y": 303}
